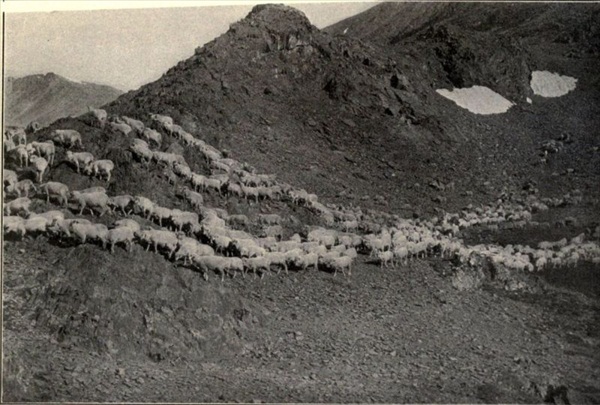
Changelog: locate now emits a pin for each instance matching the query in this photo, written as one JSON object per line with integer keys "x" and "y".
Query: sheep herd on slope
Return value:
{"x": 205, "y": 238}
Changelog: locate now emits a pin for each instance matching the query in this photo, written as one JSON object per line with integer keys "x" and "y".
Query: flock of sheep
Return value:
{"x": 205, "y": 238}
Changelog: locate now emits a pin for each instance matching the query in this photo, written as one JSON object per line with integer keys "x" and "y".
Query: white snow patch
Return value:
{"x": 478, "y": 99}
{"x": 547, "y": 84}
{"x": 529, "y": 100}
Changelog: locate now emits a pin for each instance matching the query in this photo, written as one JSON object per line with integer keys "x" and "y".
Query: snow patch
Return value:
{"x": 478, "y": 100}
{"x": 548, "y": 84}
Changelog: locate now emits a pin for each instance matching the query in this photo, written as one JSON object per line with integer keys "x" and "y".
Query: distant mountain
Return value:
{"x": 47, "y": 97}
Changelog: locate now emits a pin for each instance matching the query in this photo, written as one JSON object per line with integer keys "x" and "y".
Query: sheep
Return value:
{"x": 17, "y": 206}
{"x": 323, "y": 236}
{"x": 238, "y": 220}
{"x": 50, "y": 216}
{"x": 122, "y": 234}
{"x": 8, "y": 145}
{"x": 40, "y": 165}
{"x": 10, "y": 178}
{"x": 339, "y": 264}
{"x": 286, "y": 246}
{"x": 46, "y": 150}
{"x": 141, "y": 149}
{"x": 63, "y": 227}
{"x": 151, "y": 135}
{"x": 275, "y": 231}
{"x": 195, "y": 199}
{"x": 216, "y": 264}
{"x": 262, "y": 263}
{"x": 89, "y": 231}
{"x": 120, "y": 127}
{"x": 269, "y": 219}
{"x": 55, "y": 189}
{"x": 130, "y": 223}
{"x": 182, "y": 170}
{"x": 278, "y": 259}
{"x": 121, "y": 202}
{"x": 160, "y": 213}
{"x": 36, "y": 225}
{"x": 169, "y": 158}
{"x": 80, "y": 159}
{"x": 245, "y": 248}
{"x": 249, "y": 192}
{"x": 189, "y": 248}
{"x": 21, "y": 153}
{"x": 24, "y": 187}
{"x": 181, "y": 219}
{"x": 234, "y": 189}
{"x": 137, "y": 126}
{"x": 91, "y": 200}
{"x": 98, "y": 168}
{"x": 217, "y": 165}
{"x": 98, "y": 116}
{"x": 198, "y": 181}
{"x": 162, "y": 121}
{"x": 14, "y": 224}
{"x": 385, "y": 258}
{"x": 159, "y": 238}
{"x": 215, "y": 184}
{"x": 350, "y": 225}
{"x": 18, "y": 133}
{"x": 66, "y": 137}
{"x": 306, "y": 260}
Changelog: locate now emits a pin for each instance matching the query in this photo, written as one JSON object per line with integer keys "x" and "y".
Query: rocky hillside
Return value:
{"x": 347, "y": 118}
{"x": 47, "y": 97}
{"x": 357, "y": 121}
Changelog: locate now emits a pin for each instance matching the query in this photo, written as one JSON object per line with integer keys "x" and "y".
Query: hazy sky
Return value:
{"x": 127, "y": 48}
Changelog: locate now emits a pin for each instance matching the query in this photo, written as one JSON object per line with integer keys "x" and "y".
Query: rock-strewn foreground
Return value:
{"x": 343, "y": 119}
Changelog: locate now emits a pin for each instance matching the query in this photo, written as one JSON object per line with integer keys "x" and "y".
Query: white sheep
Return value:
{"x": 144, "y": 206}
{"x": 23, "y": 187}
{"x": 275, "y": 231}
{"x": 14, "y": 224}
{"x": 122, "y": 234}
{"x": 36, "y": 225}
{"x": 40, "y": 165}
{"x": 340, "y": 263}
{"x": 17, "y": 206}
{"x": 122, "y": 202}
{"x": 46, "y": 150}
{"x": 262, "y": 263}
{"x": 120, "y": 127}
{"x": 195, "y": 199}
{"x": 150, "y": 135}
{"x": 160, "y": 213}
{"x": 86, "y": 232}
{"x": 52, "y": 216}
{"x": 99, "y": 168}
{"x": 385, "y": 258}
{"x": 55, "y": 189}
{"x": 138, "y": 126}
{"x": 159, "y": 238}
{"x": 63, "y": 227}
{"x": 92, "y": 201}
{"x": 21, "y": 153}
{"x": 141, "y": 149}
{"x": 10, "y": 178}
{"x": 269, "y": 219}
{"x": 67, "y": 137}
{"x": 130, "y": 223}
{"x": 80, "y": 159}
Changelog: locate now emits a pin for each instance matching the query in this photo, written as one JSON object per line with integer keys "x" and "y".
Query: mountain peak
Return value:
{"x": 277, "y": 18}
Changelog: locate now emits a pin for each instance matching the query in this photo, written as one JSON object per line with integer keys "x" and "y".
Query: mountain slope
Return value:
{"x": 354, "y": 119}
{"x": 45, "y": 98}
